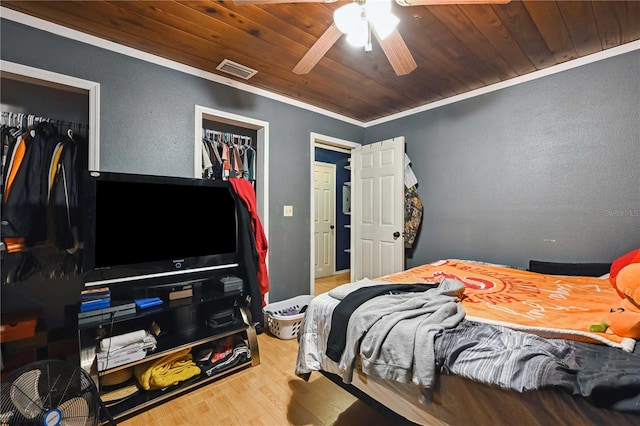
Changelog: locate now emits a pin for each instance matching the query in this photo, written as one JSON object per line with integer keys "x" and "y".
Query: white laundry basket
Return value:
{"x": 286, "y": 326}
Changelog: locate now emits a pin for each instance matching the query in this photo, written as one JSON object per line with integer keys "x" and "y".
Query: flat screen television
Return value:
{"x": 154, "y": 229}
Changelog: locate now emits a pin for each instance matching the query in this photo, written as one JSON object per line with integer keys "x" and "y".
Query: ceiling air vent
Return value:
{"x": 236, "y": 69}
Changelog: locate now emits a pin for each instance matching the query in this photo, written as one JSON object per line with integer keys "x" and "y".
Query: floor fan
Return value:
{"x": 50, "y": 393}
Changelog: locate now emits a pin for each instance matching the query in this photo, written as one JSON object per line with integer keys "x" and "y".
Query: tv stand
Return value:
{"x": 183, "y": 323}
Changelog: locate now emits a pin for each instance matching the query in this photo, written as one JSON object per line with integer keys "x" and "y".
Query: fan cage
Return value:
{"x": 50, "y": 393}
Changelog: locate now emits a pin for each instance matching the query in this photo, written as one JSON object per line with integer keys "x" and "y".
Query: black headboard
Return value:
{"x": 557, "y": 268}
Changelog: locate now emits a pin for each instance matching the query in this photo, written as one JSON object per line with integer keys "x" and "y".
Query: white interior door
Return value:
{"x": 324, "y": 190}
{"x": 377, "y": 214}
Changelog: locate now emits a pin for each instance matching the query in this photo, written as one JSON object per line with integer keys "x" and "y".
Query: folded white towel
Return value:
{"x": 149, "y": 342}
{"x": 111, "y": 343}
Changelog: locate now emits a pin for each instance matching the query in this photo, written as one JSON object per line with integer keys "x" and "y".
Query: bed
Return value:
{"x": 461, "y": 342}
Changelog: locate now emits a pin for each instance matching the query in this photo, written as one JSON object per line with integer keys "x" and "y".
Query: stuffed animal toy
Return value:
{"x": 624, "y": 319}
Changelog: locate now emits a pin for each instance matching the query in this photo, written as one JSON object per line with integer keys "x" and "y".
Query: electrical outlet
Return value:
{"x": 288, "y": 210}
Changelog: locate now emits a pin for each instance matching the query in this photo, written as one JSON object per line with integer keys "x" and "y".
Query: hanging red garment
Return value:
{"x": 245, "y": 191}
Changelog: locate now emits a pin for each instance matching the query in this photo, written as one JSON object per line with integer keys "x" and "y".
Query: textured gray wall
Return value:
{"x": 147, "y": 121}
{"x": 548, "y": 169}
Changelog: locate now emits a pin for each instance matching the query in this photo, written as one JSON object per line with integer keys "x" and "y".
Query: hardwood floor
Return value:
{"x": 267, "y": 394}
{"x": 325, "y": 284}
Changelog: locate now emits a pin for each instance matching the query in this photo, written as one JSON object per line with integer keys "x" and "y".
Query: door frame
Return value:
{"x": 327, "y": 142}
{"x": 262, "y": 157}
{"x": 70, "y": 84}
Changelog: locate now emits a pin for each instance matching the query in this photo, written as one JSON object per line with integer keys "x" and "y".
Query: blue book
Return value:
{"x": 91, "y": 305}
{"x": 147, "y": 303}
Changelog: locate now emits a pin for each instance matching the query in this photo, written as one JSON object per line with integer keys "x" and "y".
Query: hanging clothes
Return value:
{"x": 245, "y": 191}
{"x": 412, "y": 216}
{"x": 26, "y": 189}
{"x": 226, "y": 155}
{"x": 215, "y": 155}
{"x": 412, "y": 205}
{"x": 250, "y": 159}
{"x": 236, "y": 161}
{"x": 63, "y": 206}
{"x": 39, "y": 193}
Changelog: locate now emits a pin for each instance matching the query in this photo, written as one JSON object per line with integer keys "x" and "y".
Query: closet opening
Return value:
{"x": 242, "y": 133}
{"x": 42, "y": 264}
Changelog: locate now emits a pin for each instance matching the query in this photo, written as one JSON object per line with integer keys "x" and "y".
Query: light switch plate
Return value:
{"x": 288, "y": 210}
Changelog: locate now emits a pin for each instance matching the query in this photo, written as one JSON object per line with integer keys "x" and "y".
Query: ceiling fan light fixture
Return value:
{"x": 377, "y": 8}
{"x": 359, "y": 35}
{"x": 355, "y": 18}
{"x": 347, "y": 17}
{"x": 385, "y": 26}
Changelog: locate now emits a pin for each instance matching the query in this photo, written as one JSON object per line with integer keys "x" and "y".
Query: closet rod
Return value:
{"x": 26, "y": 122}
{"x": 228, "y": 137}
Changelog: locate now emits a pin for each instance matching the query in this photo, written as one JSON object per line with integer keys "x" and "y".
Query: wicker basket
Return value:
{"x": 286, "y": 326}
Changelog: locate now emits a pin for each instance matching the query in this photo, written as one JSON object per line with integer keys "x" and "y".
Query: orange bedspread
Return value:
{"x": 548, "y": 305}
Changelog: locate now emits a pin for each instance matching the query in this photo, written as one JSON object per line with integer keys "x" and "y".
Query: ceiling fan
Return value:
{"x": 359, "y": 20}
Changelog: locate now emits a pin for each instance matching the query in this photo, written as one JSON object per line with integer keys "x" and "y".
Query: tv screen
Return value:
{"x": 141, "y": 226}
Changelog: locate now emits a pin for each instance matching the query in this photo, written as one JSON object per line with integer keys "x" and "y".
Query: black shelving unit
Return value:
{"x": 182, "y": 325}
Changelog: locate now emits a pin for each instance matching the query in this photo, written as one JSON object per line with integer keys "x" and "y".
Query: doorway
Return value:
{"x": 324, "y": 190}
{"x": 261, "y": 128}
{"x": 344, "y": 147}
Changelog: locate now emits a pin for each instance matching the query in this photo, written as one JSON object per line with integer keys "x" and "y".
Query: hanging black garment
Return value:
{"x": 21, "y": 198}
{"x": 8, "y": 137}
{"x": 25, "y": 203}
{"x": 249, "y": 256}
{"x": 62, "y": 224}
{"x": 216, "y": 165}
{"x": 45, "y": 141}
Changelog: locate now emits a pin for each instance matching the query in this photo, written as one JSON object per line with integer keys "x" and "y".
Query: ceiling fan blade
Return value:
{"x": 398, "y": 53}
{"x": 317, "y": 51}
{"x": 448, "y": 2}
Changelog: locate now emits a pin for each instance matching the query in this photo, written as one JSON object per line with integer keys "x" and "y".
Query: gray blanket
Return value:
{"x": 607, "y": 377}
{"x": 385, "y": 323}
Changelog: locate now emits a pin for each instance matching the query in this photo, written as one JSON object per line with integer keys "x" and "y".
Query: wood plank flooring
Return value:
{"x": 267, "y": 394}
{"x": 325, "y": 284}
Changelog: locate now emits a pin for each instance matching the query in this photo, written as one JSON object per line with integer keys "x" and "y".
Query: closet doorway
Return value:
{"x": 68, "y": 103}
{"x": 328, "y": 149}
{"x": 204, "y": 116}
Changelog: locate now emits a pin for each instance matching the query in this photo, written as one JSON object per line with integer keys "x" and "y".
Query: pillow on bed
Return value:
{"x": 580, "y": 269}
{"x": 632, "y": 257}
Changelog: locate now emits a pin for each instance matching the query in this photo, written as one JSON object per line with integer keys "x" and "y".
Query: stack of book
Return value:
{"x": 95, "y": 298}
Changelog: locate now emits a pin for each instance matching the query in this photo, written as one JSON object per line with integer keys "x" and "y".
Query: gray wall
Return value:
{"x": 547, "y": 170}
{"x": 147, "y": 121}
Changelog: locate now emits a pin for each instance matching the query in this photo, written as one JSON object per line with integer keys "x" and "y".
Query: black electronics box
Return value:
{"x": 231, "y": 283}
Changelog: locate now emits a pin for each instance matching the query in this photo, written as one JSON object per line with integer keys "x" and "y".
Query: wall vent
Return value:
{"x": 236, "y": 69}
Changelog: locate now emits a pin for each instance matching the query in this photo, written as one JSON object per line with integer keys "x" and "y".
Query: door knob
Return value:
{"x": 333, "y": 227}
{"x": 396, "y": 235}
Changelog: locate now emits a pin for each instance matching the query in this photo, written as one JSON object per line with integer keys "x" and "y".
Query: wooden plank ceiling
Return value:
{"x": 457, "y": 48}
